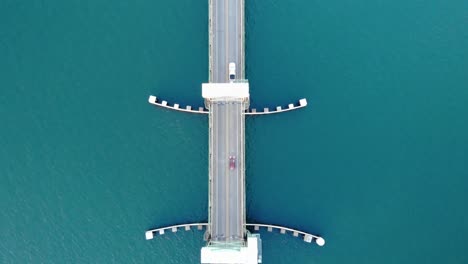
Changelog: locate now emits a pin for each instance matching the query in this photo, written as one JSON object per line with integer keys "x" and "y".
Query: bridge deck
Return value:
{"x": 226, "y": 39}
{"x": 227, "y": 177}
{"x": 226, "y": 168}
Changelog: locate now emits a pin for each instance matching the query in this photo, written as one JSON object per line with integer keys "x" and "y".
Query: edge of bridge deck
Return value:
{"x": 202, "y": 110}
{"x": 307, "y": 237}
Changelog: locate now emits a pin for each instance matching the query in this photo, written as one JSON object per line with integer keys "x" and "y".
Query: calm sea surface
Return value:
{"x": 377, "y": 163}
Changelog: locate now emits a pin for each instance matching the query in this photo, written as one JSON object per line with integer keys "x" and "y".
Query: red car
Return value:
{"x": 232, "y": 162}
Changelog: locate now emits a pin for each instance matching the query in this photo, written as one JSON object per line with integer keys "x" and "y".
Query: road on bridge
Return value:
{"x": 227, "y": 194}
{"x": 227, "y": 39}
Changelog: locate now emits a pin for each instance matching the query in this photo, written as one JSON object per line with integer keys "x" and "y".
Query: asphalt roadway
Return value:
{"x": 227, "y": 185}
{"x": 227, "y": 39}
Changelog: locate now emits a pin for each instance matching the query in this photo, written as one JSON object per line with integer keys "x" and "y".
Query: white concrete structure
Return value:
{"x": 249, "y": 254}
{"x": 225, "y": 90}
{"x": 320, "y": 241}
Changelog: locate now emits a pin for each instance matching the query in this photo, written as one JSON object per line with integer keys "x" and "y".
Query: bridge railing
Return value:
{"x": 242, "y": 38}
{"x": 210, "y": 40}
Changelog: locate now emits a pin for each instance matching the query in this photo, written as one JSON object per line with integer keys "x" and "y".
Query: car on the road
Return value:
{"x": 232, "y": 162}
{"x": 232, "y": 71}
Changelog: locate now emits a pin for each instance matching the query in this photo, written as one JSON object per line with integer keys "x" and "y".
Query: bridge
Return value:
{"x": 226, "y": 101}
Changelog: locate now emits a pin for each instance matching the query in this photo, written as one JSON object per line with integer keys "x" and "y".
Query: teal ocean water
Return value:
{"x": 377, "y": 163}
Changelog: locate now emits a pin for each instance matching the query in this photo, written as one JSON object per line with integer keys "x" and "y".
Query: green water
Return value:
{"x": 377, "y": 163}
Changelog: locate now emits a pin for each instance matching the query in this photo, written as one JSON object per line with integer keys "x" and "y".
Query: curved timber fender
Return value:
{"x": 188, "y": 109}
{"x": 266, "y": 111}
{"x": 296, "y": 233}
{"x": 256, "y": 226}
